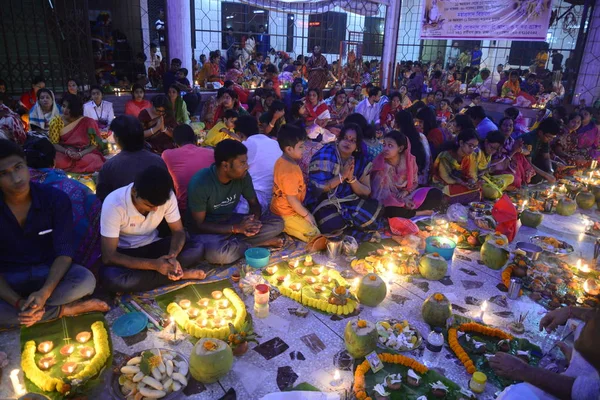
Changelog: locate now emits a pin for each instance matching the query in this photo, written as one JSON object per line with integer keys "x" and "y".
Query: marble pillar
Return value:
{"x": 388, "y": 60}
{"x": 179, "y": 33}
{"x": 588, "y": 79}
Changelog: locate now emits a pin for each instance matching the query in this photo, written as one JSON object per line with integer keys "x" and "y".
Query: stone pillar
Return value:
{"x": 388, "y": 60}
{"x": 179, "y": 33}
{"x": 588, "y": 79}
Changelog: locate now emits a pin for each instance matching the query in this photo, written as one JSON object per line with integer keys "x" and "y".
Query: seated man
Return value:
{"x": 213, "y": 194}
{"x": 263, "y": 153}
{"x": 184, "y": 161}
{"x": 122, "y": 169}
{"x": 370, "y": 107}
{"x": 539, "y": 141}
{"x": 135, "y": 258}
{"x": 482, "y": 123}
{"x": 38, "y": 281}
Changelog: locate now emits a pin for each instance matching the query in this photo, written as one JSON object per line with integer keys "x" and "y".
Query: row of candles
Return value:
{"x": 86, "y": 352}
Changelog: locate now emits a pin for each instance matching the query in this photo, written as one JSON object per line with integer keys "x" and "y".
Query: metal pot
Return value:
{"x": 532, "y": 251}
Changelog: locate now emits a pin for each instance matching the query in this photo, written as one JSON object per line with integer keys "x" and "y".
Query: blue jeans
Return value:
{"x": 126, "y": 280}
{"x": 77, "y": 282}
{"x": 226, "y": 249}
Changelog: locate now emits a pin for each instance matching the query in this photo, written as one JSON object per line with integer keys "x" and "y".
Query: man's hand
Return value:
{"x": 249, "y": 226}
{"x": 172, "y": 259}
{"x": 165, "y": 266}
{"x": 508, "y": 366}
{"x": 554, "y": 318}
{"x": 31, "y": 316}
{"x": 35, "y": 301}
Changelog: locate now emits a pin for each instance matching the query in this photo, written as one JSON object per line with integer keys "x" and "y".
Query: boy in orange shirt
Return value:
{"x": 289, "y": 188}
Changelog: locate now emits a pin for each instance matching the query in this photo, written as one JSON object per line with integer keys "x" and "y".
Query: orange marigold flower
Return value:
{"x": 438, "y": 296}
{"x": 471, "y": 370}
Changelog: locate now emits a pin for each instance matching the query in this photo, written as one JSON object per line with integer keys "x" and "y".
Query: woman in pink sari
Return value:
{"x": 394, "y": 181}
{"x": 509, "y": 159}
{"x": 317, "y": 117}
{"x": 75, "y": 138}
{"x": 588, "y": 135}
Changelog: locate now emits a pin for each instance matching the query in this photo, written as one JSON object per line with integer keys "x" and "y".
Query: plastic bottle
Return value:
{"x": 261, "y": 301}
{"x": 435, "y": 343}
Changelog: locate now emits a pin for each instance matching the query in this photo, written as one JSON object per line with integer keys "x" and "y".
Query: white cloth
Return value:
{"x": 104, "y": 111}
{"x": 370, "y": 111}
{"x": 263, "y": 152}
{"x": 489, "y": 88}
{"x": 120, "y": 219}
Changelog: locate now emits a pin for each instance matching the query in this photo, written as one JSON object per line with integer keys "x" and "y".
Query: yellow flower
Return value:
{"x": 209, "y": 345}
{"x": 361, "y": 323}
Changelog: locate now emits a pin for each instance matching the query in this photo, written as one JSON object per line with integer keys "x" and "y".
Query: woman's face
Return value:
{"x": 491, "y": 148}
{"x": 298, "y": 88}
{"x": 514, "y": 78}
{"x": 269, "y": 85}
{"x": 138, "y": 94}
{"x": 173, "y": 94}
{"x": 507, "y": 127}
{"x": 396, "y": 102}
{"x": 391, "y": 149}
{"x": 96, "y": 96}
{"x": 469, "y": 146}
{"x": 312, "y": 97}
{"x": 419, "y": 124}
{"x": 72, "y": 87}
{"x": 66, "y": 110}
{"x": 337, "y": 86}
{"x": 236, "y": 64}
{"x": 403, "y": 89}
{"x": 347, "y": 144}
{"x": 586, "y": 117}
{"x": 45, "y": 101}
{"x": 439, "y": 96}
{"x": 302, "y": 110}
{"x": 340, "y": 100}
{"x": 226, "y": 100}
{"x": 574, "y": 123}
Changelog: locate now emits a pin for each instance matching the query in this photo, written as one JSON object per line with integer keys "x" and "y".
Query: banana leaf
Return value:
{"x": 408, "y": 392}
{"x": 366, "y": 247}
{"x": 63, "y": 331}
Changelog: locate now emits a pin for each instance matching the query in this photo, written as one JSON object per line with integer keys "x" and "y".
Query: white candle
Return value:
{"x": 484, "y": 307}
{"x": 18, "y": 388}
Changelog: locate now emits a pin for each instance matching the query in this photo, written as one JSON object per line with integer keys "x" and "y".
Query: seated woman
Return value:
{"x": 389, "y": 110}
{"x": 263, "y": 100}
{"x": 418, "y": 144}
{"x": 453, "y": 84}
{"x": 180, "y": 111}
{"x": 73, "y": 88}
{"x": 339, "y": 187}
{"x": 99, "y": 110}
{"x": 339, "y": 109}
{"x": 510, "y": 158}
{"x": 40, "y": 155}
{"x": 271, "y": 121}
{"x": 356, "y": 96}
{"x": 588, "y": 135}
{"x": 234, "y": 71}
{"x": 134, "y": 106}
{"x": 405, "y": 101}
{"x": 227, "y": 99}
{"x": 75, "y": 138}
{"x": 565, "y": 145}
{"x": 317, "y": 117}
{"x": 43, "y": 111}
{"x": 158, "y": 124}
{"x": 512, "y": 87}
{"x": 520, "y": 124}
{"x": 426, "y": 124}
{"x": 11, "y": 126}
{"x": 394, "y": 181}
{"x": 296, "y": 93}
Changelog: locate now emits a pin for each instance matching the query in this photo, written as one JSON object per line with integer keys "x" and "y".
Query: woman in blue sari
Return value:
{"x": 40, "y": 155}
{"x": 340, "y": 185}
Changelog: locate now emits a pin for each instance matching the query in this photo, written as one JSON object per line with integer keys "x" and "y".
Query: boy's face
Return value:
{"x": 179, "y": 75}
{"x": 230, "y": 123}
{"x": 295, "y": 153}
{"x": 477, "y": 100}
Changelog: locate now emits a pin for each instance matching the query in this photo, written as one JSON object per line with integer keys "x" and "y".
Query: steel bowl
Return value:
{"x": 532, "y": 251}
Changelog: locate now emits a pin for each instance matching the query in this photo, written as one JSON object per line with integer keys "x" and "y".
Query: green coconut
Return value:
{"x": 585, "y": 200}
{"x": 490, "y": 192}
{"x": 496, "y": 236}
{"x": 531, "y": 218}
{"x": 566, "y": 207}
{"x": 211, "y": 359}
{"x": 494, "y": 253}
{"x": 433, "y": 267}
{"x": 436, "y": 310}
{"x": 371, "y": 290}
{"x": 360, "y": 337}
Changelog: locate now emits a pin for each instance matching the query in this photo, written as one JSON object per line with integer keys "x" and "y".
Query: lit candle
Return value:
{"x": 229, "y": 313}
{"x": 311, "y": 279}
{"x": 203, "y": 323}
{"x": 524, "y": 205}
{"x": 87, "y": 352}
{"x": 45, "y": 347}
{"x": 282, "y": 278}
{"x": 219, "y": 321}
{"x": 296, "y": 286}
{"x": 46, "y": 362}
{"x": 211, "y": 312}
{"x": 484, "y": 307}
{"x": 318, "y": 288}
{"x": 67, "y": 349}
{"x": 581, "y": 236}
{"x": 203, "y": 302}
{"x": 296, "y": 263}
{"x": 271, "y": 270}
{"x": 192, "y": 312}
{"x": 578, "y": 265}
{"x": 83, "y": 337}
{"x": 336, "y": 378}
{"x": 326, "y": 279}
{"x": 317, "y": 270}
{"x": 185, "y": 304}
{"x": 217, "y": 294}
{"x": 300, "y": 271}
{"x": 585, "y": 269}
{"x": 69, "y": 367}
{"x": 224, "y": 304}
{"x": 18, "y": 388}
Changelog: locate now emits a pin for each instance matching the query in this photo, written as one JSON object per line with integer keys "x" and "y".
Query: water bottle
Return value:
{"x": 434, "y": 345}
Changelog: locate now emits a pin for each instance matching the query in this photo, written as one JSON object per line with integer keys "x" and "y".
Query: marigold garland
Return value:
{"x": 362, "y": 369}
{"x": 472, "y": 327}
{"x": 506, "y": 275}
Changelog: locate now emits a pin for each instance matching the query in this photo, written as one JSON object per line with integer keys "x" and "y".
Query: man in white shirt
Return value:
{"x": 263, "y": 152}
{"x": 370, "y": 107}
{"x": 488, "y": 88}
{"x": 453, "y": 54}
{"x": 135, "y": 259}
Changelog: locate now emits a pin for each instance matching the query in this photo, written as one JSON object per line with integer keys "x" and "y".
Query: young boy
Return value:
{"x": 289, "y": 188}
{"x": 223, "y": 129}
{"x": 475, "y": 100}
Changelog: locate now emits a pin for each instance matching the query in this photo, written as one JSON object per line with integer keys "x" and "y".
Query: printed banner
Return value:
{"x": 486, "y": 19}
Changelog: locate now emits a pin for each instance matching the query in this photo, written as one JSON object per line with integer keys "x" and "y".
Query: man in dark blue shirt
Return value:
{"x": 170, "y": 76}
{"x": 37, "y": 279}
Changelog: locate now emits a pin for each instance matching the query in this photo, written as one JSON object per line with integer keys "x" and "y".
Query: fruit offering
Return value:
{"x": 398, "y": 336}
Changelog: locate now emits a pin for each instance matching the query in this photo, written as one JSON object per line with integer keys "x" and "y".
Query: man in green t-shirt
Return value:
{"x": 213, "y": 194}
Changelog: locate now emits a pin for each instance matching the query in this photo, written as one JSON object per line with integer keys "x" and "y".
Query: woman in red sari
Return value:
{"x": 389, "y": 110}
{"x": 317, "y": 117}
{"x": 75, "y": 138}
{"x": 134, "y": 106}
{"x": 159, "y": 123}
